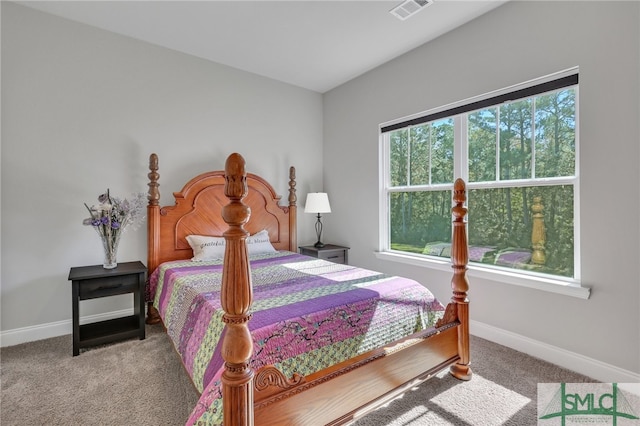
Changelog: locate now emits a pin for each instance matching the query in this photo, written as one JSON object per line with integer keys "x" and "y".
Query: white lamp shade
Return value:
{"x": 317, "y": 202}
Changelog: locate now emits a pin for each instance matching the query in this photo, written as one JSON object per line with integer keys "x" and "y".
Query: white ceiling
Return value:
{"x": 317, "y": 45}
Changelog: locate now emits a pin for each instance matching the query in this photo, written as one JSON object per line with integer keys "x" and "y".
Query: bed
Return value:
{"x": 247, "y": 334}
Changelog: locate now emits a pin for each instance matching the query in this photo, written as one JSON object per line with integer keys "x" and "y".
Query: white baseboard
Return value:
{"x": 53, "y": 329}
{"x": 590, "y": 367}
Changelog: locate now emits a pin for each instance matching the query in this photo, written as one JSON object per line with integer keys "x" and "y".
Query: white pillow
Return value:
{"x": 259, "y": 243}
{"x": 209, "y": 248}
{"x": 206, "y": 248}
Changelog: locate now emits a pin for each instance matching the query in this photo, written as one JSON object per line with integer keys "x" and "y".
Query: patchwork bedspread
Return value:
{"x": 308, "y": 314}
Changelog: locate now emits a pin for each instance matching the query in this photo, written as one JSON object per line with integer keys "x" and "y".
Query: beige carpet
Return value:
{"x": 143, "y": 383}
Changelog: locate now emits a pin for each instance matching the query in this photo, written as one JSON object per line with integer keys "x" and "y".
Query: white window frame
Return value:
{"x": 555, "y": 284}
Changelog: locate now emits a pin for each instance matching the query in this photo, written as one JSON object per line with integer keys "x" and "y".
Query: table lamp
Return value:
{"x": 317, "y": 202}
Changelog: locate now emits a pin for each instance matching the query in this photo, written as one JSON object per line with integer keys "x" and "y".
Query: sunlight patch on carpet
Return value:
{"x": 421, "y": 415}
{"x": 504, "y": 402}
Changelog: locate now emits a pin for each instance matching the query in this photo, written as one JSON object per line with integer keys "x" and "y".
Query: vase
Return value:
{"x": 110, "y": 245}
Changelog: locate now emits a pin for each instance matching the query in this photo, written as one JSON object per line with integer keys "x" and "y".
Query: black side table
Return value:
{"x": 330, "y": 252}
{"x": 91, "y": 282}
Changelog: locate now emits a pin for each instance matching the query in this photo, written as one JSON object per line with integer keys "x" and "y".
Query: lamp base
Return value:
{"x": 318, "y": 244}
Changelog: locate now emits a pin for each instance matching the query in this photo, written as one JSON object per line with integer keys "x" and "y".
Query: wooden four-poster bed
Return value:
{"x": 201, "y": 301}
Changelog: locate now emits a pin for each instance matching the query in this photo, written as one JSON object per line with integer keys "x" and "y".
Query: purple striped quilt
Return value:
{"x": 307, "y": 314}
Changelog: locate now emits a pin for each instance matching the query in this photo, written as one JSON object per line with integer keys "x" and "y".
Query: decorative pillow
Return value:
{"x": 206, "y": 248}
{"x": 259, "y": 243}
{"x": 209, "y": 248}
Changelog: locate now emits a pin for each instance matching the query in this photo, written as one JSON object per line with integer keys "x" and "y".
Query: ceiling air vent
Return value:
{"x": 409, "y": 8}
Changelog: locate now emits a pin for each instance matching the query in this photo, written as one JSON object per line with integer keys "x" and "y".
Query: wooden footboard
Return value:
{"x": 352, "y": 388}
{"x": 339, "y": 393}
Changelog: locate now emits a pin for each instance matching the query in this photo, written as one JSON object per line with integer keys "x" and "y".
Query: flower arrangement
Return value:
{"x": 110, "y": 218}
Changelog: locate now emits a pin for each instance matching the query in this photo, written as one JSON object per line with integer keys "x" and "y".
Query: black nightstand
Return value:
{"x": 331, "y": 252}
{"x": 91, "y": 282}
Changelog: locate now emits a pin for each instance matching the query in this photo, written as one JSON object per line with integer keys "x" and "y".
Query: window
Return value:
{"x": 516, "y": 150}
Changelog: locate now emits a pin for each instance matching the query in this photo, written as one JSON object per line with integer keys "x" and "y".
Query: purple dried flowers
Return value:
{"x": 112, "y": 215}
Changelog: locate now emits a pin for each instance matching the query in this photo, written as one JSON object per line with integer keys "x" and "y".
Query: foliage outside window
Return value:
{"x": 519, "y": 161}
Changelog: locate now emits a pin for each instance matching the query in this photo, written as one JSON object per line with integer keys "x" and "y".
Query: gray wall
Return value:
{"x": 83, "y": 108}
{"x": 512, "y": 44}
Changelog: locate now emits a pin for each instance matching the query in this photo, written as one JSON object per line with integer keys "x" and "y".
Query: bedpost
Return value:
{"x": 236, "y": 297}
{"x": 153, "y": 226}
{"x": 293, "y": 215}
{"x": 459, "y": 282}
{"x": 538, "y": 233}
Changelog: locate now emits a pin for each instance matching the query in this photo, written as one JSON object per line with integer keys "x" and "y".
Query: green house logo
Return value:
{"x": 589, "y": 403}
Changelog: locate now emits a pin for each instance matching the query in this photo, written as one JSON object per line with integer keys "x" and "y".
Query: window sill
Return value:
{"x": 565, "y": 287}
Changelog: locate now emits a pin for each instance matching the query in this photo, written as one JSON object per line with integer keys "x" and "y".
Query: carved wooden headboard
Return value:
{"x": 197, "y": 211}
